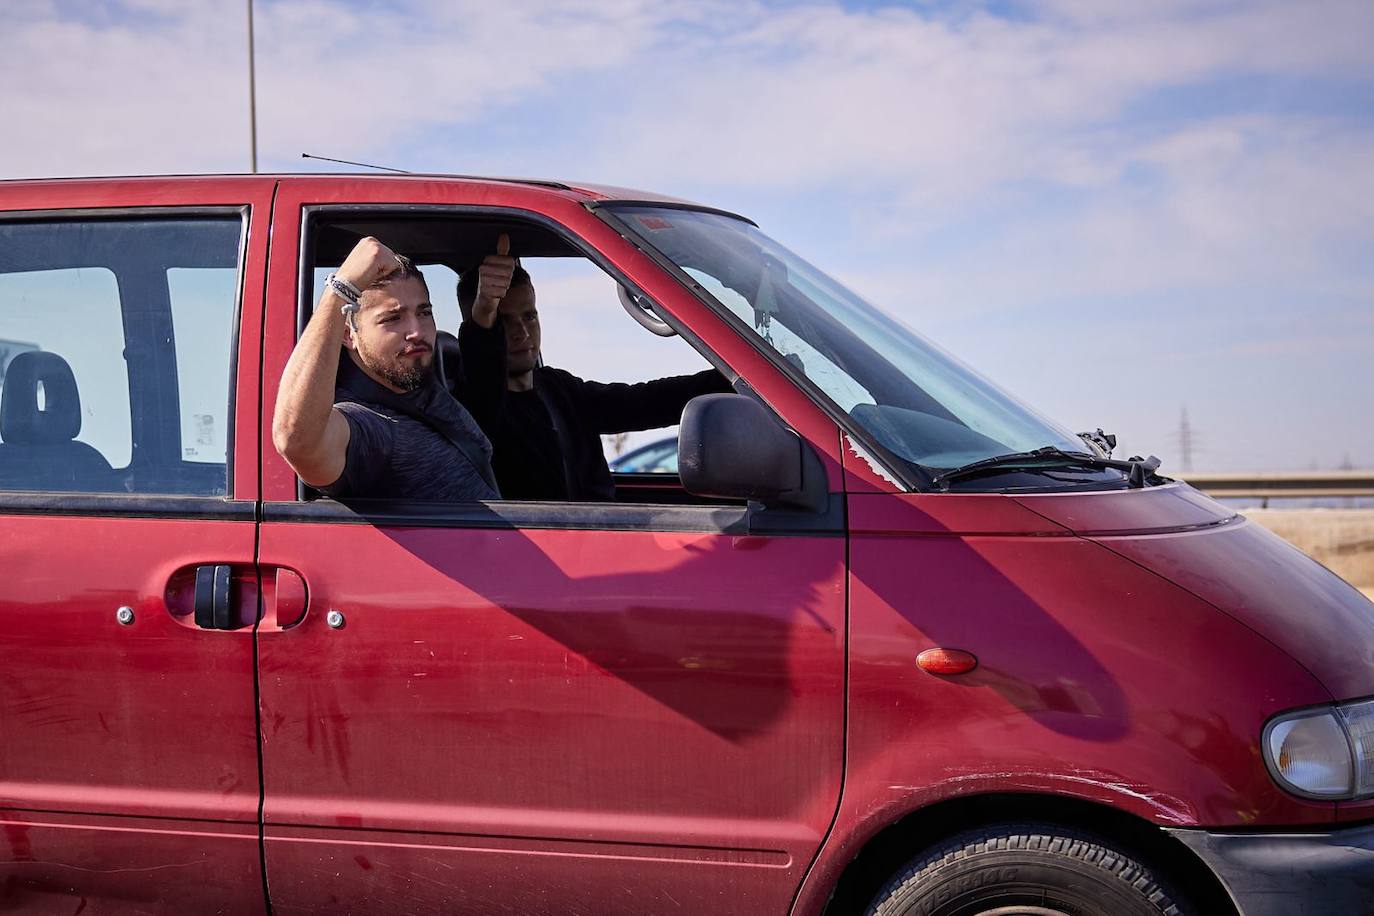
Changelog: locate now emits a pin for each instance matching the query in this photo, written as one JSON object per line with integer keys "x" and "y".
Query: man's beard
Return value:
{"x": 407, "y": 379}
{"x": 397, "y": 374}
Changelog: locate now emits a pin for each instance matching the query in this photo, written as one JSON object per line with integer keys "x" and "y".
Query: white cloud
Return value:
{"x": 941, "y": 110}
{"x": 960, "y": 166}
{"x": 169, "y": 93}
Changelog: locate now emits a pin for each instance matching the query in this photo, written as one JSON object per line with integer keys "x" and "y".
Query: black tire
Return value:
{"x": 1025, "y": 870}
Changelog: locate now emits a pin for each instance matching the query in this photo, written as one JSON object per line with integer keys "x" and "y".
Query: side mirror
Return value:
{"x": 730, "y": 446}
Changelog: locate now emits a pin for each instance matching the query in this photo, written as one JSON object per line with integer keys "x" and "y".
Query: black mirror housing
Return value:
{"x": 730, "y": 446}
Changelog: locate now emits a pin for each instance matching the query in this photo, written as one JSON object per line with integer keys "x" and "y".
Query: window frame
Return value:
{"x": 140, "y": 505}
{"x": 722, "y": 518}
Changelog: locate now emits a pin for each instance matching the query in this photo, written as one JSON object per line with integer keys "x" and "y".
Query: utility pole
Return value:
{"x": 252, "y": 93}
{"x": 1185, "y": 442}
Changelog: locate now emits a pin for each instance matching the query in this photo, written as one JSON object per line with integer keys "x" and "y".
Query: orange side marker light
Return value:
{"x": 946, "y": 661}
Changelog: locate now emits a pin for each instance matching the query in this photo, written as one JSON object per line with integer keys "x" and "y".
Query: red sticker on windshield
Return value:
{"x": 654, "y": 222}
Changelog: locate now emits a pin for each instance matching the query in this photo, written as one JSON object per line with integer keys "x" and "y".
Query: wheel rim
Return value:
{"x": 1022, "y": 911}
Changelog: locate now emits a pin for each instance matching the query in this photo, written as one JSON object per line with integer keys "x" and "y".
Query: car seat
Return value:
{"x": 449, "y": 361}
{"x": 38, "y": 447}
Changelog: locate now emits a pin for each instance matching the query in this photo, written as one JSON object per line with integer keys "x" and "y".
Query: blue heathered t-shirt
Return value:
{"x": 394, "y": 456}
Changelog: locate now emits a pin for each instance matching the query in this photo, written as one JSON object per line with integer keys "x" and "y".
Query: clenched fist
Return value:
{"x": 368, "y": 262}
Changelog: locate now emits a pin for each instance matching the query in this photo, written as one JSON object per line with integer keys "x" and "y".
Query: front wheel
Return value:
{"x": 1025, "y": 870}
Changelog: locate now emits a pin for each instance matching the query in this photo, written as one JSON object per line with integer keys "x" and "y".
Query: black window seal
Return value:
{"x": 122, "y": 505}
{"x": 530, "y": 515}
{"x": 245, "y": 214}
{"x": 594, "y": 205}
{"x": 896, "y": 468}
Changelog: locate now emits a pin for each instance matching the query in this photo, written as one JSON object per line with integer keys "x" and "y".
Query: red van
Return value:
{"x": 890, "y": 643}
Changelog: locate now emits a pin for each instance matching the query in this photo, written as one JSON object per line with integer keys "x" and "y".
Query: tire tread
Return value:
{"x": 1035, "y": 838}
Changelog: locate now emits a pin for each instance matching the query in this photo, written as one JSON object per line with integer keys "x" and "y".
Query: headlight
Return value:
{"x": 1323, "y": 753}
{"x": 1359, "y": 723}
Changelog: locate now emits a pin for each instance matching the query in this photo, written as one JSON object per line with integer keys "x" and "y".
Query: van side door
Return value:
{"x": 130, "y": 321}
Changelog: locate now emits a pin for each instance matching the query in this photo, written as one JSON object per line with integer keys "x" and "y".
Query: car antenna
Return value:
{"x": 366, "y": 165}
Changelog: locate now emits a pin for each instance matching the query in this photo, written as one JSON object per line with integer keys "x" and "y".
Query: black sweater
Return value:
{"x": 546, "y": 443}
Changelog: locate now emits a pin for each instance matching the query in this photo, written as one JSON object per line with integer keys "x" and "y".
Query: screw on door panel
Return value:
{"x": 125, "y": 615}
{"x": 335, "y": 618}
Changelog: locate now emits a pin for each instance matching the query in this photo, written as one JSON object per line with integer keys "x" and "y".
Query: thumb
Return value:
{"x": 503, "y": 244}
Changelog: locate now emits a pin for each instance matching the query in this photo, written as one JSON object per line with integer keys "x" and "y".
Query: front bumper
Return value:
{"x": 1291, "y": 874}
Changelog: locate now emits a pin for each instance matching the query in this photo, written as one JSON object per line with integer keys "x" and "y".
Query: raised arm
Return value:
{"x": 306, "y": 428}
{"x": 493, "y": 282}
{"x": 482, "y": 339}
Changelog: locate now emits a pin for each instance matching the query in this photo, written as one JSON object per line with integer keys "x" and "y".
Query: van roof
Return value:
{"x": 582, "y": 189}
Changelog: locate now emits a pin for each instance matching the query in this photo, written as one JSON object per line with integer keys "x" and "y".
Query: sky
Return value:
{"x": 1117, "y": 211}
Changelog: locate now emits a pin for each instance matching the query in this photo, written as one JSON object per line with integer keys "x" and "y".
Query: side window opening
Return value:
{"x": 587, "y": 333}
{"x": 584, "y": 328}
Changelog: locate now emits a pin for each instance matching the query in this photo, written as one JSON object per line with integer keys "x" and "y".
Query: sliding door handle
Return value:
{"x": 214, "y": 598}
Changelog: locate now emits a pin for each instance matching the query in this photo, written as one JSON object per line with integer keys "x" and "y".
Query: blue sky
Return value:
{"x": 1115, "y": 210}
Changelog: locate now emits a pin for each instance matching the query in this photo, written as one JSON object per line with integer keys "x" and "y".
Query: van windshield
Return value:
{"x": 911, "y": 397}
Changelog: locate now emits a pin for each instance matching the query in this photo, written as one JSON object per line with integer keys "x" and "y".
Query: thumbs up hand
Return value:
{"x": 493, "y": 282}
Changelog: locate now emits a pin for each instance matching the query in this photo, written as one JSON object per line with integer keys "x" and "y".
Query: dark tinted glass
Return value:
{"x": 116, "y": 347}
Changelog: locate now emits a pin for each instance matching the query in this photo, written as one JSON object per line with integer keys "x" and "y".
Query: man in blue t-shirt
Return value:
{"x": 377, "y": 424}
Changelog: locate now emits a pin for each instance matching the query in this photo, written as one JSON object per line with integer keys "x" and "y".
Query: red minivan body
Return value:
{"x": 220, "y": 695}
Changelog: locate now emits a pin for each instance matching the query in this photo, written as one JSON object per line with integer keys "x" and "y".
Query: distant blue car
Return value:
{"x": 655, "y": 458}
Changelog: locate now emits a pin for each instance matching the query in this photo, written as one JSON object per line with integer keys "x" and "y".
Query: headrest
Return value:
{"x": 21, "y": 420}
{"x": 448, "y": 361}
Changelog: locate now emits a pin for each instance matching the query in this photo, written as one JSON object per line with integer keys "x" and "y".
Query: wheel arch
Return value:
{"x": 893, "y": 846}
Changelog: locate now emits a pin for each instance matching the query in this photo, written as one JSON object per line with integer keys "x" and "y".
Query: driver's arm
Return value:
{"x": 308, "y": 431}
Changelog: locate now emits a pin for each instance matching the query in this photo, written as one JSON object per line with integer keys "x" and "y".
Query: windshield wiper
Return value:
{"x": 1138, "y": 469}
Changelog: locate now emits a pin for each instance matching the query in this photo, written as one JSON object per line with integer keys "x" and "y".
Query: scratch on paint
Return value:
{"x": 1173, "y": 808}
{"x": 439, "y": 862}
{"x": 113, "y": 871}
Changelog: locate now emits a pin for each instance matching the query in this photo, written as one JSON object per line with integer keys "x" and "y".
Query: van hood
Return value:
{"x": 1237, "y": 566}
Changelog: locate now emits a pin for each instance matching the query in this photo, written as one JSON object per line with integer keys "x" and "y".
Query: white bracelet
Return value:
{"x": 346, "y": 291}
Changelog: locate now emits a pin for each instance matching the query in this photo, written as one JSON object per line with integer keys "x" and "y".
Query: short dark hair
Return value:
{"x": 467, "y": 286}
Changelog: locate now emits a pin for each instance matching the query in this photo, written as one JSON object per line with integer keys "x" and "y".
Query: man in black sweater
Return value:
{"x": 545, "y": 424}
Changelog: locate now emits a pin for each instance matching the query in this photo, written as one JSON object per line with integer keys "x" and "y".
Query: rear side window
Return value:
{"x": 116, "y": 350}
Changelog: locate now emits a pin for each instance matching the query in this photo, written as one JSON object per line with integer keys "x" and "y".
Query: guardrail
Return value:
{"x": 1300, "y": 484}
